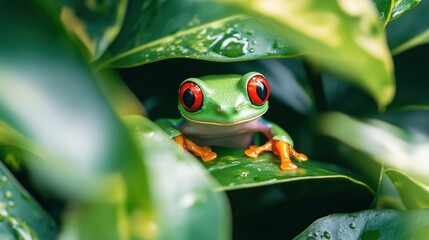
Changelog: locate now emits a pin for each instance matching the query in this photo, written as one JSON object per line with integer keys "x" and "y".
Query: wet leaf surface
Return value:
{"x": 234, "y": 170}
{"x": 371, "y": 224}
{"x": 20, "y": 216}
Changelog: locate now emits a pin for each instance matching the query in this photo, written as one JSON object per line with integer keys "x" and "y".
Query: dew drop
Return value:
{"x": 21, "y": 229}
{"x": 352, "y": 225}
{"x": 11, "y": 204}
{"x": 3, "y": 180}
{"x": 8, "y": 195}
{"x": 243, "y": 173}
{"x": 327, "y": 235}
{"x": 252, "y": 50}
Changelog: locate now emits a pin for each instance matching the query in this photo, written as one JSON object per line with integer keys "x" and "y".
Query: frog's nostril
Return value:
{"x": 219, "y": 109}
{"x": 237, "y": 108}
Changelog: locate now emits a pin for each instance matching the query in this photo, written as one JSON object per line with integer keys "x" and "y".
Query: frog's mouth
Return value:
{"x": 225, "y": 123}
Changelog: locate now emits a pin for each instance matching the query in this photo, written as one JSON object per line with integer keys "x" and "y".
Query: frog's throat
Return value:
{"x": 225, "y": 123}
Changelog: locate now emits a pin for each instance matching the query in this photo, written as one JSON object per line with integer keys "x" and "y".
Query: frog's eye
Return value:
{"x": 191, "y": 96}
{"x": 258, "y": 90}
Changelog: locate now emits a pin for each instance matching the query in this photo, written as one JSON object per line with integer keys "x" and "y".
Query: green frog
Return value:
{"x": 226, "y": 110}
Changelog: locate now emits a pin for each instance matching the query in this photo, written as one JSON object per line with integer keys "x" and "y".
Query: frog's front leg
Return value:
{"x": 170, "y": 127}
{"x": 205, "y": 152}
{"x": 279, "y": 143}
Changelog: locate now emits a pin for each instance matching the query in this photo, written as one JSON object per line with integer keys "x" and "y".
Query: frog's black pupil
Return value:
{"x": 188, "y": 98}
{"x": 261, "y": 90}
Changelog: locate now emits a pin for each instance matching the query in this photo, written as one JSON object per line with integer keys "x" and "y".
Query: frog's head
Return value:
{"x": 224, "y": 99}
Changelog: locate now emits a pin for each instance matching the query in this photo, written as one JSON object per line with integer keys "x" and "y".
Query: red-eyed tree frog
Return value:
{"x": 226, "y": 110}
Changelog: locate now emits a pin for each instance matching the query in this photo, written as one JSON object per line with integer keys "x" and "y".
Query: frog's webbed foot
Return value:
{"x": 280, "y": 148}
{"x": 205, "y": 152}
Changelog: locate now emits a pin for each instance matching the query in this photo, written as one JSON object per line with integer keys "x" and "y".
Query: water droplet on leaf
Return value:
{"x": 352, "y": 225}
{"x": 327, "y": 235}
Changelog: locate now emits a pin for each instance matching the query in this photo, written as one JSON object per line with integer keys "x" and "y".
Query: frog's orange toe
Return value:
{"x": 206, "y": 149}
{"x": 208, "y": 156}
{"x": 301, "y": 157}
{"x": 288, "y": 166}
{"x": 250, "y": 153}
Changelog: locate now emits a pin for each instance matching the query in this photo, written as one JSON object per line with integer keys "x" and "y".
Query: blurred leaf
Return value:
{"x": 119, "y": 95}
{"x": 102, "y": 219}
{"x": 345, "y": 37}
{"x": 21, "y": 217}
{"x": 181, "y": 191}
{"x": 401, "y": 7}
{"x": 384, "y": 8}
{"x": 205, "y": 30}
{"x": 95, "y": 23}
{"x": 371, "y": 224}
{"x": 414, "y": 194}
{"x": 380, "y": 141}
{"x": 234, "y": 170}
{"x": 50, "y": 97}
{"x": 410, "y": 30}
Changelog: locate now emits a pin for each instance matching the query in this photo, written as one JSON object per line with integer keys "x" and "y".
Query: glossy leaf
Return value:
{"x": 193, "y": 29}
{"x": 380, "y": 141}
{"x": 184, "y": 203}
{"x": 414, "y": 194}
{"x": 95, "y": 23}
{"x": 371, "y": 224}
{"x": 401, "y": 7}
{"x": 50, "y": 97}
{"x": 385, "y": 8}
{"x": 335, "y": 34}
{"x": 410, "y": 30}
{"x": 21, "y": 217}
{"x": 234, "y": 170}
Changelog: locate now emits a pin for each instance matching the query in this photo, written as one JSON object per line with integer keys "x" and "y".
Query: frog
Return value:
{"x": 226, "y": 110}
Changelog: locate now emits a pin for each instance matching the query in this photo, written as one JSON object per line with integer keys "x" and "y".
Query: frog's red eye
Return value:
{"x": 258, "y": 90}
{"x": 191, "y": 96}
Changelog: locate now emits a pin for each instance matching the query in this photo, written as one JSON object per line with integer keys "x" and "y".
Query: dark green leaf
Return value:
{"x": 403, "y": 6}
{"x": 410, "y": 30}
{"x": 49, "y": 96}
{"x": 414, "y": 194}
{"x": 20, "y": 216}
{"x": 235, "y": 171}
{"x": 371, "y": 224}
{"x": 95, "y": 23}
{"x": 193, "y": 29}
{"x": 384, "y": 8}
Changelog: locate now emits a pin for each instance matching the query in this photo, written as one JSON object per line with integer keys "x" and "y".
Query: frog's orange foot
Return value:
{"x": 205, "y": 152}
{"x": 301, "y": 156}
{"x": 288, "y": 166}
{"x": 251, "y": 153}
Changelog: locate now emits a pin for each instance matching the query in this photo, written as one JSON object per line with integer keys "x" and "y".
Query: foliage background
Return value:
{"x": 348, "y": 81}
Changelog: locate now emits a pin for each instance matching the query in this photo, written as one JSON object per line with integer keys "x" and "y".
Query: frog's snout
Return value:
{"x": 228, "y": 110}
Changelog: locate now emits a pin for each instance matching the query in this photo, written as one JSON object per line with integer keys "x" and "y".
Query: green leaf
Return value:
{"x": 95, "y": 23}
{"x": 182, "y": 193}
{"x": 204, "y": 30}
{"x": 403, "y": 6}
{"x": 50, "y": 97}
{"x": 370, "y": 224}
{"x": 234, "y": 170}
{"x": 345, "y": 37}
{"x": 402, "y": 36}
{"x": 20, "y": 216}
{"x": 414, "y": 194}
{"x": 380, "y": 141}
{"x": 384, "y": 8}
